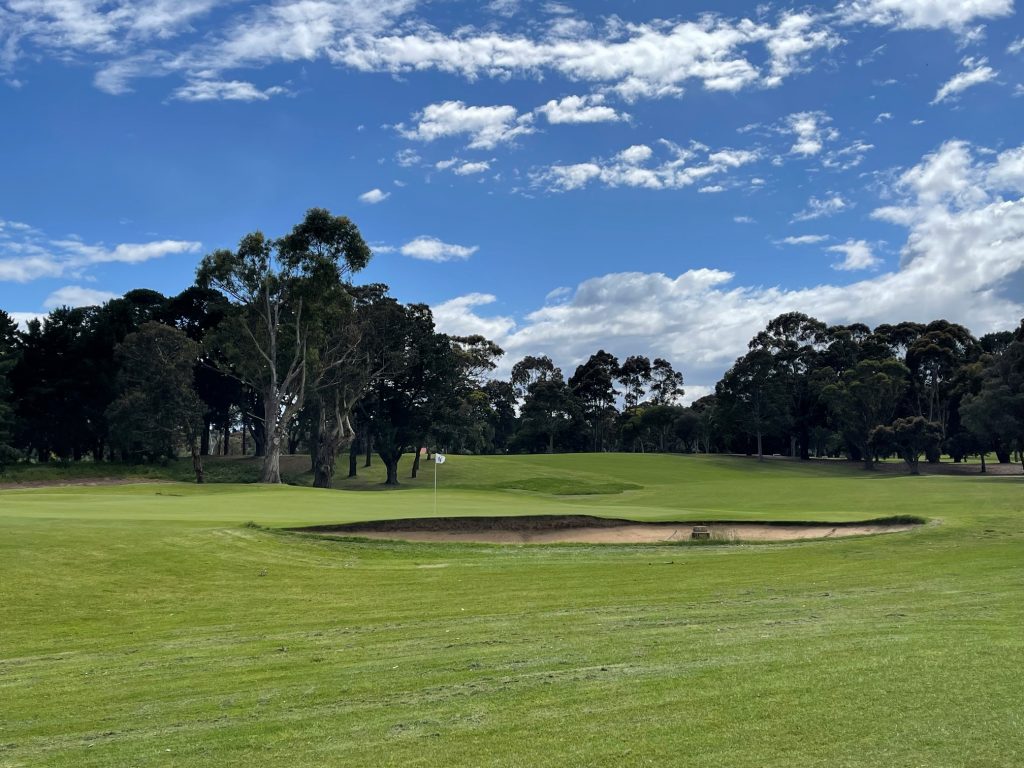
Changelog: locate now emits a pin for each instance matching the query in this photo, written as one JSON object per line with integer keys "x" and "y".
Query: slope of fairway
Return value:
{"x": 146, "y": 625}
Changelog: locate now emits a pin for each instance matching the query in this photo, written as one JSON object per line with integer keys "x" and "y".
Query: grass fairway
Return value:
{"x": 146, "y": 625}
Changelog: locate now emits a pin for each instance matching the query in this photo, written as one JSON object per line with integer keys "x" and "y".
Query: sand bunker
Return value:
{"x": 583, "y": 529}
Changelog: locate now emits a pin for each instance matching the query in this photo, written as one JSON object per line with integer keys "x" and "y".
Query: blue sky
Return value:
{"x": 643, "y": 177}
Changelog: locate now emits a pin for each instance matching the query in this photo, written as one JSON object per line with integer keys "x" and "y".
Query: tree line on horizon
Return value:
{"x": 277, "y": 350}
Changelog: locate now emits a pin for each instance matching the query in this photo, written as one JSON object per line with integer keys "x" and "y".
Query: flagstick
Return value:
{"x": 435, "y": 484}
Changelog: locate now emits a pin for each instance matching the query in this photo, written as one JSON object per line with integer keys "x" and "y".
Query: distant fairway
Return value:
{"x": 146, "y": 625}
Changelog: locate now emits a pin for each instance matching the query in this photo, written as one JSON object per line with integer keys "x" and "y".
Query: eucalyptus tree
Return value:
{"x": 282, "y": 288}
{"x": 861, "y": 399}
{"x": 531, "y": 369}
{"x": 157, "y": 409}
{"x": 935, "y": 358}
{"x": 795, "y": 341}
{"x": 593, "y": 385}
{"x": 754, "y": 396}
{"x": 420, "y": 386}
{"x": 909, "y": 438}
{"x": 666, "y": 383}
{"x": 635, "y": 376}
{"x": 994, "y": 411}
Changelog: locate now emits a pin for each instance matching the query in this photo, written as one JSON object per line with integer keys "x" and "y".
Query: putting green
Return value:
{"x": 147, "y": 625}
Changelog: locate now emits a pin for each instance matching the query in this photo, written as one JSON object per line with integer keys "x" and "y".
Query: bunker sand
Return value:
{"x": 582, "y": 529}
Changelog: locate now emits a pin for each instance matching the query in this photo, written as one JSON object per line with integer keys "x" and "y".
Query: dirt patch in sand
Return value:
{"x": 583, "y": 529}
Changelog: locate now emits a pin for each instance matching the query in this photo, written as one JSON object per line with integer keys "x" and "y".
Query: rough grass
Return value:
{"x": 148, "y": 625}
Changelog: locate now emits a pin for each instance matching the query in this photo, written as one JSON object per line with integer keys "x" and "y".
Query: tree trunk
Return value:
{"x": 324, "y": 461}
{"x": 197, "y": 462}
{"x": 227, "y": 438}
{"x": 332, "y": 430}
{"x": 760, "y": 449}
{"x": 868, "y": 457}
{"x": 805, "y": 443}
{"x": 391, "y": 463}
{"x": 416, "y": 461}
{"x": 204, "y": 438}
{"x": 353, "y": 458}
{"x": 551, "y": 442}
{"x": 369, "y": 449}
{"x": 983, "y": 469}
{"x": 272, "y": 459}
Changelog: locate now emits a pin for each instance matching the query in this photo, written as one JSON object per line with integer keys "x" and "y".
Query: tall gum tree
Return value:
{"x": 280, "y": 287}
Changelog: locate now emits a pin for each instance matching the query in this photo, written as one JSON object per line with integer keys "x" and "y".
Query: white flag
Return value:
{"x": 439, "y": 458}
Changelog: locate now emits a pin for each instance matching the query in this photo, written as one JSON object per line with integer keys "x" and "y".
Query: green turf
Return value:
{"x": 146, "y": 625}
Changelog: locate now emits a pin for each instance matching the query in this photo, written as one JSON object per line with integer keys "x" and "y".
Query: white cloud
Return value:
{"x": 374, "y": 196}
{"x": 961, "y": 253}
{"x": 456, "y": 317}
{"x": 744, "y": 220}
{"x": 857, "y": 255}
{"x": 486, "y": 126}
{"x": 976, "y": 72}
{"x": 461, "y": 167}
{"x": 1017, "y": 46}
{"x": 580, "y": 109}
{"x": 924, "y": 14}
{"x": 77, "y": 296}
{"x": 883, "y": 116}
{"x": 469, "y": 169}
{"x": 804, "y": 239}
{"x": 24, "y": 269}
{"x": 24, "y": 318}
{"x": 821, "y": 207}
{"x": 225, "y": 90}
{"x": 811, "y": 131}
{"x": 126, "y": 253}
{"x": 431, "y": 249}
{"x": 629, "y": 168}
{"x": 652, "y": 60}
{"x": 407, "y": 158}
{"x": 28, "y": 254}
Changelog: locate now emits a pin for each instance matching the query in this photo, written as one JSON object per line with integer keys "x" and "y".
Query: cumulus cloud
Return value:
{"x": 976, "y": 72}
{"x": 432, "y": 249}
{"x": 811, "y": 131}
{"x": 374, "y": 196}
{"x": 716, "y": 53}
{"x": 225, "y": 90}
{"x": 461, "y": 167}
{"x": 77, "y": 296}
{"x": 711, "y": 51}
{"x": 963, "y": 249}
{"x": 924, "y": 14}
{"x": 682, "y": 167}
{"x": 857, "y": 255}
{"x": 28, "y": 254}
{"x": 580, "y": 109}
{"x": 653, "y": 59}
{"x": 486, "y": 127}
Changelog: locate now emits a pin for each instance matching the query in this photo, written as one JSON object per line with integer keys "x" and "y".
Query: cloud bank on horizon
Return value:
{"x": 692, "y": 176}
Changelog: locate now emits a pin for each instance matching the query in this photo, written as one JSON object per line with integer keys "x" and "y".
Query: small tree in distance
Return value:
{"x": 909, "y": 438}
